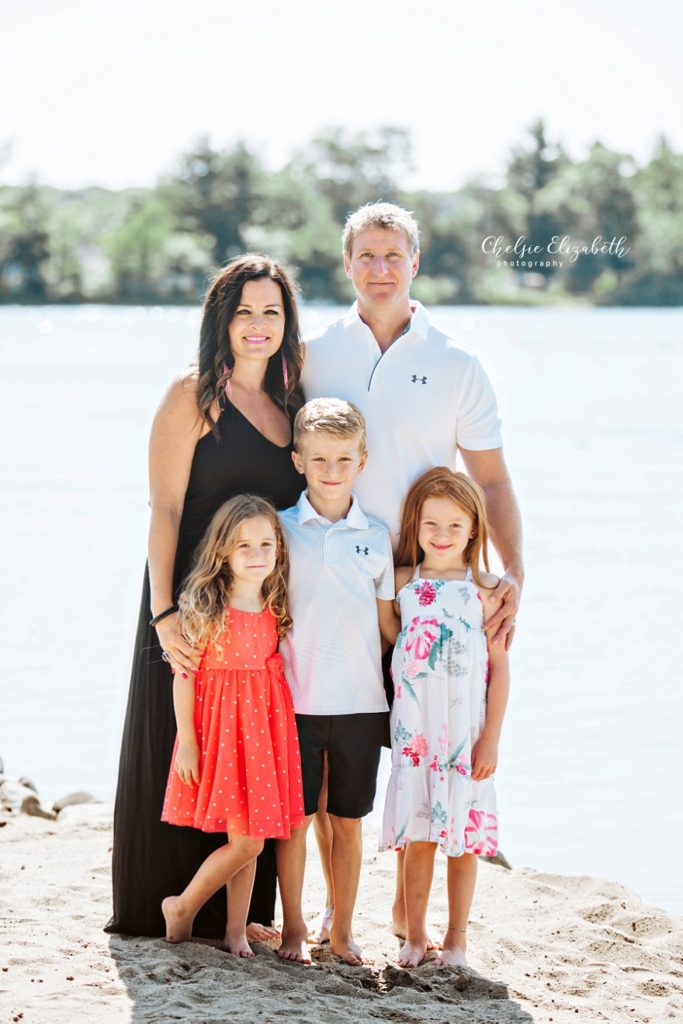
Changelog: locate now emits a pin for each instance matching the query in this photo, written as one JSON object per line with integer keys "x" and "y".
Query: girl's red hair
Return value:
{"x": 442, "y": 482}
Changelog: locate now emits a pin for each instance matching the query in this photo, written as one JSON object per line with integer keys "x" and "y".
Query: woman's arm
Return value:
{"x": 176, "y": 429}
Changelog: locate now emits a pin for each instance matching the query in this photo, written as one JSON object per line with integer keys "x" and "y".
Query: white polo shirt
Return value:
{"x": 422, "y": 398}
{"x": 337, "y": 572}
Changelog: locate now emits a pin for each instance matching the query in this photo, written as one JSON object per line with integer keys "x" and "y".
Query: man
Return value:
{"x": 424, "y": 400}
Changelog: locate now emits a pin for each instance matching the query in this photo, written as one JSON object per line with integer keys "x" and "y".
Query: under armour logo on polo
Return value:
{"x": 362, "y": 551}
{"x": 415, "y": 379}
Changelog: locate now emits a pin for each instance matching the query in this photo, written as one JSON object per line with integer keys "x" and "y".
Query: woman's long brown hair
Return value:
{"x": 215, "y": 359}
{"x": 442, "y": 482}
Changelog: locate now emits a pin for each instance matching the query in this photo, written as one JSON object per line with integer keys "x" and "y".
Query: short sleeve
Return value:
{"x": 478, "y": 424}
{"x": 287, "y": 517}
{"x": 384, "y": 583}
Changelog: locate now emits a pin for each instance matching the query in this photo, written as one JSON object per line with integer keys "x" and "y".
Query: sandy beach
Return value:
{"x": 542, "y": 948}
{"x": 582, "y": 733}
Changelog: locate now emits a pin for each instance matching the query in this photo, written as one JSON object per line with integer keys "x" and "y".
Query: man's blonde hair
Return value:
{"x": 380, "y": 215}
{"x": 332, "y": 416}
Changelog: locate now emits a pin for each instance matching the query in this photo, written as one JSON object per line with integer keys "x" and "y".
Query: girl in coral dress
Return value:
{"x": 451, "y": 689}
{"x": 236, "y": 766}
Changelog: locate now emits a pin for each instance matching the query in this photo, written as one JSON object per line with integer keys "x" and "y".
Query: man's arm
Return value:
{"x": 488, "y": 469}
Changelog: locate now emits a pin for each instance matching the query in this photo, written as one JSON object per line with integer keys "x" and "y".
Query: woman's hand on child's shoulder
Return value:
{"x": 183, "y": 657}
{"x": 187, "y": 763}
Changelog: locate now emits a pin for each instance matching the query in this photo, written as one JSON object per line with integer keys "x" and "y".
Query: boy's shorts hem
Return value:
{"x": 353, "y": 744}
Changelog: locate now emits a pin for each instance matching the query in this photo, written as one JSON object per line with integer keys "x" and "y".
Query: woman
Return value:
{"x": 221, "y": 430}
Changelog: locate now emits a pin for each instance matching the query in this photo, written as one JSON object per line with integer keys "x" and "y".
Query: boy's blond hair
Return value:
{"x": 380, "y": 215}
{"x": 331, "y": 416}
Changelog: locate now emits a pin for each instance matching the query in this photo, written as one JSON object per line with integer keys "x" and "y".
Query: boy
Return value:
{"x": 341, "y": 586}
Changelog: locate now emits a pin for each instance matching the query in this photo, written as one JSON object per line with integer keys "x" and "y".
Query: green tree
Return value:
{"x": 452, "y": 227}
{"x": 150, "y": 259}
{"x": 24, "y": 248}
{"x": 352, "y": 168}
{"x": 79, "y": 226}
{"x": 64, "y": 270}
{"x": 658, "y": 188}
{"x": 521, "y": 207}
{"x": 136, "y": 249}
{"x": 295, "y": 224}
{"x": 216, "y": 193}
{"x": 596, "y": 198}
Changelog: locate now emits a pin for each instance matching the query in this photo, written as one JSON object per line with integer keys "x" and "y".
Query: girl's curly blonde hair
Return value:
{"x": 205, "y": 594}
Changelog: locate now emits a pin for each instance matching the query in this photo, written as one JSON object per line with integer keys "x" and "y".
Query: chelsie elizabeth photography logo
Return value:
{"x": 559, "y": 249}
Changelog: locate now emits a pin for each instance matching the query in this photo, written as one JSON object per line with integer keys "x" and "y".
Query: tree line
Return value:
{"x": 601, "y": 230}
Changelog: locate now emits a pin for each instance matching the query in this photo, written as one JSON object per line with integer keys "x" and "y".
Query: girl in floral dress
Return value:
{"x": 236, "y": 764}
{"x": 451, "y": 688}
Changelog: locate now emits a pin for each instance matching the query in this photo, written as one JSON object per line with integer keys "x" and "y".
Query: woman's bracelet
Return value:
{"x": 162, "y": 615}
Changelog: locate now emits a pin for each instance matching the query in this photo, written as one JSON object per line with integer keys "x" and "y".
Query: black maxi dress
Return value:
{"x": 152, "y": 859}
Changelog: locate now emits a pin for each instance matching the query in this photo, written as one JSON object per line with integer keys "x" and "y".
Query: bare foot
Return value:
{"x": 319, "y": 932}
{"x": 237, "y": 944}
{"x": 399, "y": 930}
{"x": 259, "y": 933}
{"x": 347, "y": 950}
{"x": 178, "y": 924}
{"x": 398, "y": 920}
{"x": 412, "y": 954}
{"x": 295, "y": 947}
{"x": 453, "y": 953}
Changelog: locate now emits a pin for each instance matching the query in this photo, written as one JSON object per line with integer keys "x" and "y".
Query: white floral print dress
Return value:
{"x": 440, "y": 672}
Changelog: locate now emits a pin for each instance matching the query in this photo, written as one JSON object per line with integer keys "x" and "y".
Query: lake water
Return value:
{"x": 590, "y": 775}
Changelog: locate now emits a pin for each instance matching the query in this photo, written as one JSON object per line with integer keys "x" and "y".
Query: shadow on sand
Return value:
{"x": 198, "y": 983}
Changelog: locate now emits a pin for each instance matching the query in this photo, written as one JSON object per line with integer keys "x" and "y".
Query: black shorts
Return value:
{"x": 353, "y": 744}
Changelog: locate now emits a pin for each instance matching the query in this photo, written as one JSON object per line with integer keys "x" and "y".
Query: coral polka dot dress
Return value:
{"x": 250, "y": 765}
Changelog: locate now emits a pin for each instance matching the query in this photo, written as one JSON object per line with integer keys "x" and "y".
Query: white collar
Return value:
{"x": 355, "y": 518}
{"x": 418, "y": 324}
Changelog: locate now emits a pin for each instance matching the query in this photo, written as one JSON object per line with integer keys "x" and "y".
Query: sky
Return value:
{"x": 96, "y": 92}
